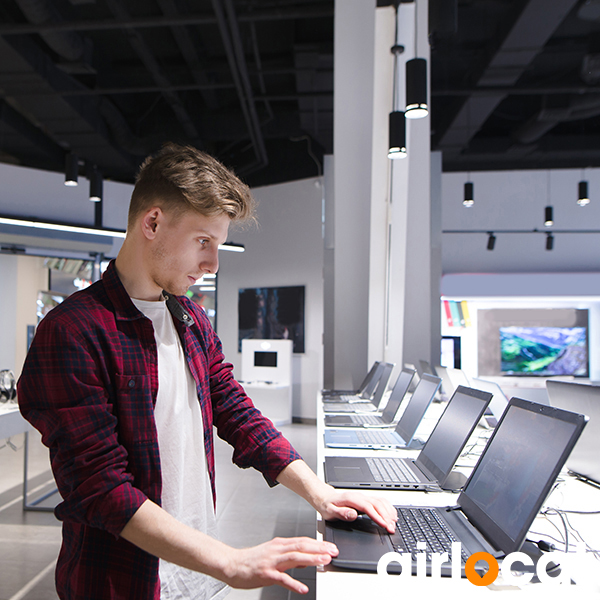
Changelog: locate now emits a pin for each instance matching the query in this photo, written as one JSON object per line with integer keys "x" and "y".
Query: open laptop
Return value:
{"x": 447, "y": 387}
{"x": 357, "y": 404}
{"x": 432, "y": 469}
{"x": 389, "y": 412}
{"x": 498, "y": 403}
{"x": 403, "y": 434}
{"x": 584, "y": 461}
{"x": 416, "y": 378}
{"x": 498, "y": 503}
{"x": 366, "y": 387}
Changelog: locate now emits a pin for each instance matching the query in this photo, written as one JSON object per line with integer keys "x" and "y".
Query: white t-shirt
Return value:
{"x": 186, "y": 490}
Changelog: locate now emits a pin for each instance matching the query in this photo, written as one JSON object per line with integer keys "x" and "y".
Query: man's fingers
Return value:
{"x": 266, "y": 564}
{"x": 348, "y": 506}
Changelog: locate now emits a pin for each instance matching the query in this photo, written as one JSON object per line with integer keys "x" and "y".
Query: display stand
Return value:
{"x": 267, "y": 377}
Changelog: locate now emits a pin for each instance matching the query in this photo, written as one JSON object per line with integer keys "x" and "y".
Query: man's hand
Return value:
{"x": 347, "y": 505}
{"x": 266, "y": 564}
{"x": 154, "y": 530}
{"x": 335, "y": 504}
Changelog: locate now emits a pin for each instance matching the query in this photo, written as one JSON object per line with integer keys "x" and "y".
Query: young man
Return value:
{"x": 125, "y": 381}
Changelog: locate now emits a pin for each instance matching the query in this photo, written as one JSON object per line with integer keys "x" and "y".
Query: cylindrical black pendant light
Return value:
{"x": 549, "y": 241}
{"x": 548, "y": 216}
{"x": 583, "y": 196}
{"x": 71, "y": 169}
{"x": 468, "y": 199}
{"x": 397, "y": 135}
{"x": 95, "y": 185}
{"x": 416, "y": 89}
{"x": 491, "y": 243}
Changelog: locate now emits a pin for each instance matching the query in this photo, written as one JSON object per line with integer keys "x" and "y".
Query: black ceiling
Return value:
{"x": 514, "y": 83}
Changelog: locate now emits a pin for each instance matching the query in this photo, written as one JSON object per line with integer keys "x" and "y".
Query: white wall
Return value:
{"x": 8, "y": 311}
{"x": 515, "y": 200}
{"x": 286, "y": 249}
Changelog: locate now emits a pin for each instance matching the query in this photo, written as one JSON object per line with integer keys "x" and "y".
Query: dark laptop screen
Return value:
{"x": 398, "y": 393}
{"x": 517, "y": 469}
{"x": 450, "y": 434}
{"x": 413, "y": 413}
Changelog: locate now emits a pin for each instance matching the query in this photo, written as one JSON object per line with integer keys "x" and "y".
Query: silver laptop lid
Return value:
{"x": 585, "y": 458}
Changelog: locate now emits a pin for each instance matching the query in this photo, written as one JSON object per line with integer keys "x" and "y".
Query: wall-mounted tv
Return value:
{"x": 544, "y": 351}
{"x": 272, "y": 314}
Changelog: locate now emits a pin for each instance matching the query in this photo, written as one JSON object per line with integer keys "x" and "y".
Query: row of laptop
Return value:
{"x": 507, "y": 487}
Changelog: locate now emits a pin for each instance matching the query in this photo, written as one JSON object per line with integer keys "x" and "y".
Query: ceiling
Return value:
{"x": 514, "y": 83}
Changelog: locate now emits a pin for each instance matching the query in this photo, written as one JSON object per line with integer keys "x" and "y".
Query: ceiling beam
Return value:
{"x": 524, "y": 41}
{"x": 284, "y": 14}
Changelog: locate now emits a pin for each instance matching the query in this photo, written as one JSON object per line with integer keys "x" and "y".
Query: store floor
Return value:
{"x": 249, "y": 513}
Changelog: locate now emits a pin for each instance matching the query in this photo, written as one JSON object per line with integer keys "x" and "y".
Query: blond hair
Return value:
{"x": 182, "y": 178}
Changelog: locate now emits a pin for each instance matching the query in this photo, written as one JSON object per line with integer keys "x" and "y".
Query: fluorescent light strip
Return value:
{"x": 88, "y": 230}
{"x": 57, "y": 227}
{"x": 232, "y": 248}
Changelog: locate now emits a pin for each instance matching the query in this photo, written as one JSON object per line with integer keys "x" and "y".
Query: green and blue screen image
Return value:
{"x": 544, "y": 351}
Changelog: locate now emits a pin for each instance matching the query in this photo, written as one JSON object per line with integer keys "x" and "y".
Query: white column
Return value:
{"x": 353, "y": 110}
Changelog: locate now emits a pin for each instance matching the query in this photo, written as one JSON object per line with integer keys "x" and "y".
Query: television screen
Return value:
{"x": 544, "y": 351}
{"x": 272, "y": 314}
{"x": 265, "y": 359}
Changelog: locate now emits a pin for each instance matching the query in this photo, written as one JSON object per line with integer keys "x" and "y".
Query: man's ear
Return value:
{"x": 150, "y": 221}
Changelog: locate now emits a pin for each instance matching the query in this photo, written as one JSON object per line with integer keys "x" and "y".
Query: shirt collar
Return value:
{"x": 124, "y": 307}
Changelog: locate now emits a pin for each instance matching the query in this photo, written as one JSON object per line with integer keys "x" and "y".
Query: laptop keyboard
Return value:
{"x": 362, "y": 419}
{"x": 389, "y": 470}
{"x": 352, "y": 398}
{"x": 423, "y": 525}
{"x": 373, "y": 437}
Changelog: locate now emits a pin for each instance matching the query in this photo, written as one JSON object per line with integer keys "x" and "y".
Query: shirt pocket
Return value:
{"x": 134, "y": 409}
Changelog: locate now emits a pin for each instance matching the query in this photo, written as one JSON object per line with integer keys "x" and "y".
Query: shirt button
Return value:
{"x": 131, "y": 383}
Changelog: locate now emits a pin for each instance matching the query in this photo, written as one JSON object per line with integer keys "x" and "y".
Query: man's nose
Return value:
{"x": 210, "y": 264}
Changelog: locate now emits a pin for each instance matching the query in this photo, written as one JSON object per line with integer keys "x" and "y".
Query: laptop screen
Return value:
{"x": 584, "y": 399}
{"x": 451, "y": 432}
{"x": 517, "y": 469}
{"x": 414, "y": 411}
{"x": 395, "y": 399}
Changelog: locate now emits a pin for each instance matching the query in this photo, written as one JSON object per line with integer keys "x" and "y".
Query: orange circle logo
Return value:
{"x": 473, "y": 576}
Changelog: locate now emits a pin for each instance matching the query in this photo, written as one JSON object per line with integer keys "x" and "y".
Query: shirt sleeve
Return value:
{"x": 256, "y": 441}
{"x": 63, "y": 393}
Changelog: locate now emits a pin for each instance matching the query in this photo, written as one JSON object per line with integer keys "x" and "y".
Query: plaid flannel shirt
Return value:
{"x": 89, "y": 385}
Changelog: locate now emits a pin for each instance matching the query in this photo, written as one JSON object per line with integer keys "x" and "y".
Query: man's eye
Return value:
{"x": 203, "y": 242}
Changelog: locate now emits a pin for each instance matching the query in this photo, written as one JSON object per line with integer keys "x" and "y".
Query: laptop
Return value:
{"x": 415, "y": 379}
{"x": 359, "y": 404}
{"x": 447, "y": 387}
{"x": 584, "y": 461}
{"x": 402, "y": 436}
{"x": 369, "y": 380}
{"x": 432, "y": 470}
{"x": 498, "y": 403}
{"x": 388, "y": 415}
{"x": 498, "y": 503}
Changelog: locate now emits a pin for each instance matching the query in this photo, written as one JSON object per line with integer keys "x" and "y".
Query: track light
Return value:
{"x": 416, "y": 89}
{"x": 548, "y": 216}
{"x": 95, "y": 186}
{"x": 491, "y": 241}
{"x": 397, "y": 135}
{"x": 468, "y": 200}
{"x": 583, "y": 198}
{"x": 549, "y": 241}
{"x": 71, "y": 169}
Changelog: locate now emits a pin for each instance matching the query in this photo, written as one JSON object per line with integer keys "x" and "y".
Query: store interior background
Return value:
{"x": 286, "y": 248}
{"x": 373, "y": 242}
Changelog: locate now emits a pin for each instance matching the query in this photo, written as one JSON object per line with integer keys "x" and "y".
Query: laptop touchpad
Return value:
{"x": 349, "y": 474}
